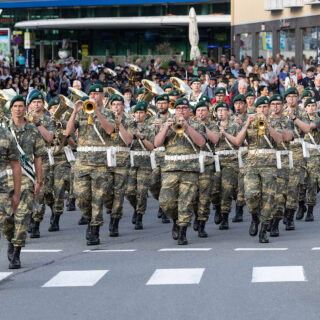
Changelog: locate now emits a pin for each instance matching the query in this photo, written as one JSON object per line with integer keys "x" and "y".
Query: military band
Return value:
{"x": 186, "y": 149}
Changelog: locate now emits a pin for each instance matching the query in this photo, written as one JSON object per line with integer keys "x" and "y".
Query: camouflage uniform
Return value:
{"x": 8, "y": 152}
{"x": 46, "y": 190}
{"x": 225, "y": 184}
{"x": 92, "y": 179}
{"x": 113, "y": 200}
{"x": 31, "y": 142}
{"x": 140, "y": 174}
{"x": 180, "y": 177}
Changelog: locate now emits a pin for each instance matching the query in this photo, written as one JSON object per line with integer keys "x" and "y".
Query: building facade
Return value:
{"x": 269, "y": 27}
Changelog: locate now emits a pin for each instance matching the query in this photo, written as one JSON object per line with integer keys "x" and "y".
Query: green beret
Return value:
{"x": 106, "y": 94}
{"x": 53, "y": 102}
{"x": 291, "y": 90}
{"x": 95, "y": 88}
{"x": 163, "y": 97}
{"x": 182, "y": 101}
{"x": 194, "y": 80}
{"x": 140, "y": 91}
{"x": 240, "y": 97}
{"x": 261, "y": 100}
{"x": 174, "y": 93}
{"x": 310, "y": 100}
{"x": 84, "y": 98}
{"x": 250, "y": 94}
{"x": 36, "y": 96}
{"x": 276, "y": 97}
{"x": 306, "y": 93}
{"x": 221, "y": 105}
{"x": 205, "y": 98}
{"x": 19, "y": 97}
{"x": 168, "y": 85}
{"x": 202, "y": 103}
{"x": 115, "y": 97}
{"x": 220, "y": 90}
{"x": 141, "y": 105}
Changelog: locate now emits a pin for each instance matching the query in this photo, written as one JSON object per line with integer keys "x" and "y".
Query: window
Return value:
{"x": 273, "y": 5}
{"x": 288, "y": 43}
{"x": 265, "y": 44}
{"x": 245, "y": 45}
{"x": 309, "y": 41}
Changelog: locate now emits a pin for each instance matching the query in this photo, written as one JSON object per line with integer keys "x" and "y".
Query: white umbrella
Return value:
{"x": 193, "y": 35}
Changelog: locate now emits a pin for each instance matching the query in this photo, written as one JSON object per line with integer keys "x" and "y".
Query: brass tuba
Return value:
{"x": 6, "y": 95}
{"x": 180, "y": 86}
{"x": 110, "y": 71}
{"x": 112, "y": 91}
{"x": 65, "y": 107}
{"x": 151, "y": 90}
{"x": 133, "y": 72}
{"x": 76, "y": 94}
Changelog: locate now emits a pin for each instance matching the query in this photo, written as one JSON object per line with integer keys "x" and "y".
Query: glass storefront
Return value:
{"x": 288, "y": 43}
{"x": 309, "y": 40}
{"x": 245, "y": 45}
{"x": 265, "y": 44}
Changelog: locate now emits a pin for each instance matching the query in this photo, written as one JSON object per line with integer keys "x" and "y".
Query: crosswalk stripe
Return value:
{"x": 4, "y": 275}
{"x": 41, "y": 250}
{"x": 260, "y": 249}
{"x": 176, "y": 276}
{"x": 278, "y": 274}
{"x": 83, "y": 278}
{"x": 111, "y": 250}
{"x": 315, "y": 249}
{"x": 183, "y": 249}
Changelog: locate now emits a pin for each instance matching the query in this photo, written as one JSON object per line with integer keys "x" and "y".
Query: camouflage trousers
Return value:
{"x": 155, "y": 185}
{"x": 5, "y": 209}
{"x": 313, "y": 179}
{"x": 113, "y": 200}
{"x": 139, "y": 181}
{"x": 16, "y": 225}
{"x": 71, "y": 186}
{"x": 205, "y": 186}
{"x": 282, "y": 192}
{"x": 297, "y": 183}
{"x": 260, "y": 186}
{"x": 240, "y": 195}
{"x": 61, "y": 183}
{"x": 91, "y": 184}
{"x": 225, "y": 187}
{"x": 46, "y": 191}
{"x": 177, "y": 196}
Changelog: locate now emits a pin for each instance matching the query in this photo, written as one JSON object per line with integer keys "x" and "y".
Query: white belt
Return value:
{"x": 183, "y": 157}
{"x": 305, "y": 150}
{"x": 226, "y": 152}
{"x": 91, "y": 149}
{"x": 262, "y": 151}
{"x": 112, "y": 155}
{"x": 122, "y": 149}
{"x": 280, "y": 153}
{"x": 159, "y": 149}
{"x": 207, "y": 154}
{"x": 240, "y": 150}
{"x": 313, "y": 146}
{"x": 4, "y": 173}
{"x": 297, "y": 140}
{"x": 50, "y": 156}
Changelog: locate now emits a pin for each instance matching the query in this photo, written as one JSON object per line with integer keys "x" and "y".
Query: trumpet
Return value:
{"x": 89, "y": 107}
{"x": 179, "y": 128}
{"x": 29, "y": 116}
{"x": 261, "y": 126}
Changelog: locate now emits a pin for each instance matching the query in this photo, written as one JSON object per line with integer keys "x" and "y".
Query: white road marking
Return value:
{"x": 315, "y": 248}
{"x": 176, "y": 276}
{"x": 4, "y": 275}
{"x": 111, "y": 250}
{"x": 41, "y": 250}
{"x": 184, "y": 249}
{"x": 278, "y": 274}
{"x": 84, "y": 278}
{"x": 260, "y": 249}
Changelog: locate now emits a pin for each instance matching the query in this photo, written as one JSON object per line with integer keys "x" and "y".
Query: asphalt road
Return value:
{"x": 229, "y": 275}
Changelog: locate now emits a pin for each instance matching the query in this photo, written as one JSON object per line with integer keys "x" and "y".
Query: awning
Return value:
{"x": 124, "y": 22}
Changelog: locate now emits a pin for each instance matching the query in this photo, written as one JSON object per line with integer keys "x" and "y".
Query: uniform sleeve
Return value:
{"x": 303, "y": 116}
{"x": 77, "y": 121}
{"x": 151, "y": 135}
{"x": 39, "y": 149}
{"x": 215, "y": 129}
{"x": 13, "y": 152}
{"x": 51, "y": 126}
{"x": 316, "y": 121}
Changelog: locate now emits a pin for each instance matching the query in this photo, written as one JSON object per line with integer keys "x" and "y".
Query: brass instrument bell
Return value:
{"x": 89, "y": 107}
{"x": 261, "y": 126}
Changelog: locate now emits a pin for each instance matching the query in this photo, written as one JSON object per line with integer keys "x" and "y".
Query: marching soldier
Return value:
{"x": 225, "y": 182}
{"x": 61, "y": 169}
{"x": 250, "y": 99}
{"x": 162, "y": 104}
{"x": 119, "y": 141}
{"x": 195, "y": 95}
{"x": 31, "y": 147}
{"x": 182, "y": 138}
{"x": 220, "y": 96}
{"x": 92, "y": 179}
{"x": 46, "y": 126}
{"x": 202, "y": 203}
{"x": 261, "y": 170}
{"x": 140, "y": 172}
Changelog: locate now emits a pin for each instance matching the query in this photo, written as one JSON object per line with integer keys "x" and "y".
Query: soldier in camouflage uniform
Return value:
{"x": 284, "y": 157}
{"x": 180, "y": 171}
{"x": 119, "y": 141}
{"x": 297, "y": 179}
{"x": 31, "y": 146}
{"x": 202, "y": 203}
{"x": 162, "y": 103}
{"x": 140, "y": 172}
{"x": 312, "y": 140}
{"x": 92, "y": 179}
{"x": 261, "y": 170}
{"x": 250, "y": 99}
{"x": 196, "y": 94}
{"x": 225, "y": 184}
{"x": 61, "y": 170}
{"x": 46, "y": 126}
{"x": 220, "y": 96}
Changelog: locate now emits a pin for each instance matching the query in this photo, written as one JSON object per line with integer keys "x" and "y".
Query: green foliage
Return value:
{"x": 85, "y": 62}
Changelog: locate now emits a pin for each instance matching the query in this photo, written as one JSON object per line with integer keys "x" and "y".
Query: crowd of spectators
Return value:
{"x": 263, "y": 77}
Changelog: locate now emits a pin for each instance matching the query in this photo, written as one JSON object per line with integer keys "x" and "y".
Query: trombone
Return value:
{"x": 88, "y": 108}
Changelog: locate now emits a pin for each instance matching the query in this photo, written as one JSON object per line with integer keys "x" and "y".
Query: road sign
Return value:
{"x": 17, "y": 40}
